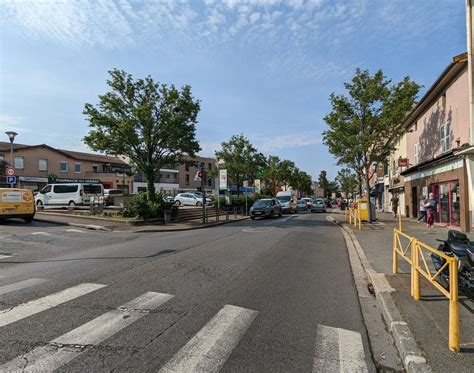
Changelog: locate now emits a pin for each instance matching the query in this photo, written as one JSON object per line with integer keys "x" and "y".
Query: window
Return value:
{"x": 187, "y": 179}
{"x": 46, "y": 189}
{"x": 445, "y": 136}
{"x": 417, "y": 153}
{"x": 42, "y": 165}
{"x": 66, "y": 188}
{"x": 78, "y": 168}
{"x": 416, "y": 126}
{"x": 19, "y": 163}
{"x": 186, "y": 166}
{"x": 209, "y": 166}
{"x": 63, "y": 166}
{"x": 92, "y": 189}
{"x": 95, "y": 168}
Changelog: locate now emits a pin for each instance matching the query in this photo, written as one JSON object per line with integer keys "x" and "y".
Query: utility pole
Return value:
{"x": 203, "y": 177}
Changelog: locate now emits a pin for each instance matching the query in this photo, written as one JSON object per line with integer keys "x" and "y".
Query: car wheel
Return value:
{"x": 71, "y": 204}
{"x": 252, "y": 217}
{"x": 39, "y": 204}
{"x": 271, "y": 214}
{"x": 177, "y": 202}
{"x": 198, "y": 203}
{"x": 280, "y": 214}
{"x": 28, "y": 220}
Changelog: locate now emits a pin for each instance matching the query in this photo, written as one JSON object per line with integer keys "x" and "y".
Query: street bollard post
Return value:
{"x": 453, "y": 306}
{"x": 414, "y": 271}
{"x": 395, "y": 254}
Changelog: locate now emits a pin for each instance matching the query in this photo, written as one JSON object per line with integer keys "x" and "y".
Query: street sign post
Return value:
{"x": 246, "y": 185}
{"x": 10, "y": 172}
{"x": 11, "y": 180}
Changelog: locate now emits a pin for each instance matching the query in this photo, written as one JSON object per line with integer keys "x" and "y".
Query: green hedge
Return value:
{"x": 240, "y": 200}
{"x": 140, "y": 207}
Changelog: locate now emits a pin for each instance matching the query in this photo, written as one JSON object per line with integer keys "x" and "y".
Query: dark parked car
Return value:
{"x": 268, "y": 207}
{"x": 318, "y": 206}
{"x": 301, "y": 205}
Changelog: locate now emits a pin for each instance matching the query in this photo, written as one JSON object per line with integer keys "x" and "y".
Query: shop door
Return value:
{"x": 414, "y": 202}
{"x": 448, "y": 203}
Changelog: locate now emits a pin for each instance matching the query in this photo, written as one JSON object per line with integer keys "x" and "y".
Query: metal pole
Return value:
{"x": 415, "y": 274}
{"x": 395, "y": 256}
{"x": 453, "y": 306}
{"x": 11, "y": 159}
{"x": 245, "y": 203}
{"x": 218, "y": 191}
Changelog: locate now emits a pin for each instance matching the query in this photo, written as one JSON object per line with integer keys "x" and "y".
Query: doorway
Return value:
{"x": 447, "y": 197}
{"x": 414, "y": 202}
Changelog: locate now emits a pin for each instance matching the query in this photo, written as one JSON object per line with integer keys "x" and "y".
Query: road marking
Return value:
{"x": 258, "y": 229}
{"x": 27, "y": 309}
{"x": 75, "y": 230}
{"x": 338, "y": 350}
{"x": 280, "y": 221}
{"x": 21, "y": 285}
{"x": 5, "y": 256}
{"x": 62, "y": 350}
{"x": 39, "y": 233}
{"x": 210, "y": 348}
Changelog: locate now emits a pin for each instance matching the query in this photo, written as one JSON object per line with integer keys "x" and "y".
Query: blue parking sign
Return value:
{"x": 11, "y": 179}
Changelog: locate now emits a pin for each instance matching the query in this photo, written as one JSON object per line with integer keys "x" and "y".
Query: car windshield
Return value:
{"x": 262, "y": 203}
{"x": 284, "y": 198}
{"x": 319, "y": 201}
{"x": 92, "y": 189}
{"x": 115, "y": 191}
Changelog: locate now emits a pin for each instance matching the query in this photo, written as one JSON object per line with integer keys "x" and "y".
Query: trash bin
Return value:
{"x": 364, "y": 208}
{"x": 167, "y": 216}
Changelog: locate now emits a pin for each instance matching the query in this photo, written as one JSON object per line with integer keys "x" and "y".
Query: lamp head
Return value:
{"x": 11, "y": 135}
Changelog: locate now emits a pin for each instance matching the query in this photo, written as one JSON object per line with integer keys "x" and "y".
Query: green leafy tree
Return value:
{"x": 365, "y": 124}
{"x": 347, "y": 180}
{"x": 153, "y": 124}
{"x": 333, "y": 186}
{"x": 277, "y": 173}
{"x": 301, "y": 181}
{"x": 323, "y": 182}
{"x": 241, "y": 159}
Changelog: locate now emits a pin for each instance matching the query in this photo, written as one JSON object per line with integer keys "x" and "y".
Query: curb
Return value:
{"x": 409, "y": 351}
{"x": 188, "y": 228}
{"x": 77, "y": 225}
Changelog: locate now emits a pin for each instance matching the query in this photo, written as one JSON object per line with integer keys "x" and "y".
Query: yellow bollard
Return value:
{"x": 453, "y": 306}
{"x": 395, "y": 254}
{"x": 414, "y": 270}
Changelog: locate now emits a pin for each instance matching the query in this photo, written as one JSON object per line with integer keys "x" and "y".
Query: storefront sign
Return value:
{"x": 257, "y": 185}
{"x": 457, "y": 163}
{"x": 32, "y": 179}
{"x": 223, "y": 179}
{"x": 403, "y": 162}
{"x": 85, "y": 181}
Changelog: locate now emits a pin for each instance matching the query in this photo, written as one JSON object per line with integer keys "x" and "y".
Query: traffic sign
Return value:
{"x": 10, "y": 171}
{"x": 11, "y": 179}
{"x": 198, "y": 176}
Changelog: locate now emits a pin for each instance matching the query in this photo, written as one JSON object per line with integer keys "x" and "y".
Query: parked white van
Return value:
{"x": 70, "y": 194}
{"x": 288, "y": 201}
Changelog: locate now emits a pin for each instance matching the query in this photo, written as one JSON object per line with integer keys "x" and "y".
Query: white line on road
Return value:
{"x": 21, "y": 285}
{"x": 33, "y": 307}
{"x": 210, "y": 348}
{"x": 5, "y": 256}
{"x": 75, "y": 230}
{"x": 338, "y": 350}
{"x": 70, "y": 345}
{"x": 40, "y": 234}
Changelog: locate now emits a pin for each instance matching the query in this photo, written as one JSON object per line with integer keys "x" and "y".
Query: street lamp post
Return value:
{"x": 11, "y": 136}
{"x": 219, "y": 163}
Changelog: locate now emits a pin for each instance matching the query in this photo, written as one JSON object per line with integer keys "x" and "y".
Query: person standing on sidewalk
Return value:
{"x": 422, "y": 209}
{"x": 394, "y": 201}
{"x": 430, "y": 206}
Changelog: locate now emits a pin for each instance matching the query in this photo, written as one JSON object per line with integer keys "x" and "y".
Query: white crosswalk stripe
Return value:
{"x": 27, "y": 309}
{"x": 70, "y": 345}
{"x": 21, "y": 285}
{"x": 210, "y": 348}
{"x": 338, "y": 350}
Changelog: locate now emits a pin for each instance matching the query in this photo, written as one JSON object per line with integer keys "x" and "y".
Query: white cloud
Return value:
{"x": 287, "y": 141}
{"x": 11, "y": 123}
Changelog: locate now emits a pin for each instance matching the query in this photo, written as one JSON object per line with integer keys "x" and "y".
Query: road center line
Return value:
{"x": 27, "y": 309}
{"x": 21, "y": 285}
{"x": 5, "y": 256}
{"x": 62, "y": 350}
{"x": 210, "y": 348}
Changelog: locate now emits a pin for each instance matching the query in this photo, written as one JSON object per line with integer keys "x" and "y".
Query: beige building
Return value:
{"x": 37, "y": 165}
{"x": 394, "y": 182}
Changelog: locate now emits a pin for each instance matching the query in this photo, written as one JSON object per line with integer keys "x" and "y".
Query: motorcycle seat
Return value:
{"x": 458, "y": 249}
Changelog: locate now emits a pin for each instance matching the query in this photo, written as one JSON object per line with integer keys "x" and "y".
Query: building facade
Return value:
{"x": 37, "y": 165}
{"x": 438, "y": 130}
{"x": 394, "y": 182}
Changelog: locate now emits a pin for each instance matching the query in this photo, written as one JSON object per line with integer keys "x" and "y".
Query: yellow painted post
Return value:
{"x": 395, "y": 255}
{"x": 453, "y": 306}
{"x": 399, "y": 220}
{"x": 414, "y": 269}
{"x": 358, "y": 215}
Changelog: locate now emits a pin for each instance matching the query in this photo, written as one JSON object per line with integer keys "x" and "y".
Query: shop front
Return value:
{"x": 447, "y": 182}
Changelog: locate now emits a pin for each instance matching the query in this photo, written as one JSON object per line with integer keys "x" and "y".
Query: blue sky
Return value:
{"x": 264, "y": 68}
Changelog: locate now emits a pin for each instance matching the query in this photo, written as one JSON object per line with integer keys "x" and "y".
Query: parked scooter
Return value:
{"x": 458, "y": 246}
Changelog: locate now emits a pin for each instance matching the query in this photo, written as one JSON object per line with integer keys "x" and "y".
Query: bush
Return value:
{"x": 142, "y": 208}
{"x": 240, "y": 200}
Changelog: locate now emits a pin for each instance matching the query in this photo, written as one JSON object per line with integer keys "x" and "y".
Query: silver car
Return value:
{"x": 268, "y": 207}
{"x": 318, "y": 206}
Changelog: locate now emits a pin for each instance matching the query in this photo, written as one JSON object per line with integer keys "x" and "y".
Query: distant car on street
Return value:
{"x": 268, "y": 207}
{"x": 287, "y": 200}
{"x": 309, "y": 202}
{"x": 318, "y": 206}
{"x": 109, "y": 195}
{"x": 301, "y": 205}
{"x": 188, "y": 199}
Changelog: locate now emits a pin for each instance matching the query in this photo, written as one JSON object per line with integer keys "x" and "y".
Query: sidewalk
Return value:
{"x": 427, "y": 318}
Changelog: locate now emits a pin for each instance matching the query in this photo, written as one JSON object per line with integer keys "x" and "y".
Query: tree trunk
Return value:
{"x": 150, "y": 183}
{"x": 367, "y": 187}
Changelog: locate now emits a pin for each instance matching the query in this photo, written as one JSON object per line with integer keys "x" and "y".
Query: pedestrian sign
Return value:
{"x": 10, "y": 171}
{"x": 11, "y": 179}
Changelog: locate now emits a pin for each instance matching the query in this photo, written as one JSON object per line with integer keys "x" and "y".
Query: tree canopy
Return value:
{"x": 347, "y": 180}
{"x": 150, "y": 123}
{"x": 366, "y": 123}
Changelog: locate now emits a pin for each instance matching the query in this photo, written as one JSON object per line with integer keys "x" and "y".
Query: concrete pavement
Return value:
{"x": 265, "y": 295}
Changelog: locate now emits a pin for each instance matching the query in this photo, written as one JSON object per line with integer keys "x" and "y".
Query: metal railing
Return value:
{"x": 353, "y": 216}
{"x": 412, "y": 252}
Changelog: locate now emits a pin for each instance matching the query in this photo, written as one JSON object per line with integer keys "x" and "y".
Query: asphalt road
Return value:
{"x": 263, "y": 296}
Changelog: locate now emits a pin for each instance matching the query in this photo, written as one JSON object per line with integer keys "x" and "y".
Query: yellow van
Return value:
{"x": 17, "y": 203}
